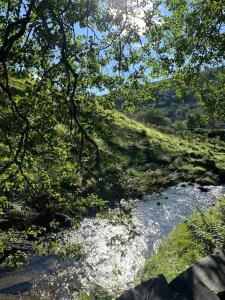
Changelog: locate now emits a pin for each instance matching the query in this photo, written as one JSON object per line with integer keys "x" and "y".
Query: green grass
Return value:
{"x": 174, "y": 255}
{"x": 148, "y": 158}
{"x": 187, "y": 243}
{"x": 135, "y": 160}
{"x": 144, "y": 158}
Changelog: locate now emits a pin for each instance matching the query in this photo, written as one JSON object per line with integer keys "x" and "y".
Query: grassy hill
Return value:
{"x": 150, "y": 159}
{"x": 135, "y": 160}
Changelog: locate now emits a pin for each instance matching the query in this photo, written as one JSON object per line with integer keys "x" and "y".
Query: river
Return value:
{"x": 114, "y": 252}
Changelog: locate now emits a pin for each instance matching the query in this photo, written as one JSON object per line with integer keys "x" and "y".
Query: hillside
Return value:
{"x": 152, "y": 159}
{"x": 170, "y": 111}
{"x": 173, "y": 107}
{"x": 135, "y": 160}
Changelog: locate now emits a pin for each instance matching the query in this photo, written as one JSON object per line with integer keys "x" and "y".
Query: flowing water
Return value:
{"x": 115, "y": 251}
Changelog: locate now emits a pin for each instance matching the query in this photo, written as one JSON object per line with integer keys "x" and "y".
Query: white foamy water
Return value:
{"x": 115, "y": 252}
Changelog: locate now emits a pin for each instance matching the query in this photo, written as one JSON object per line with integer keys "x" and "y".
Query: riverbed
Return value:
{"x": 114, "y": 252}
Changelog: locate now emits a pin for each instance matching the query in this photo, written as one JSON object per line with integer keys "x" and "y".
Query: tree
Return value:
{"x": 196, "y": 120}
{"x": 154, "y": 116}
{"x": 54, "y": 55}
{"x": 189, "y": 46}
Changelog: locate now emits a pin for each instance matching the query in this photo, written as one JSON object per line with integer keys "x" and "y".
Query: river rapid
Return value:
{"x": 114, "y": 252}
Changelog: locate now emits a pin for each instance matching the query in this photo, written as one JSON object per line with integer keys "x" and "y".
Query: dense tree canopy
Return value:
{"x": 54, "y": 56}
{"x": 190, "y": 37}
{"x": 58, "y": 57}
{"x": 189, "y": 47}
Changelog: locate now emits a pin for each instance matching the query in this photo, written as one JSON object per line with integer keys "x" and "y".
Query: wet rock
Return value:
{"x": 207, "y": 181}
{"x": 195, "y": 155}
{"x": 209, "y": 164}
{"x": 209, "y": 178}
{"x": 203, "y": 189}
{"x": 4, "y": 224}
{"x": 154, "y": 289}
{"x": 221, "y": 295}
{"x": 16, "y": 219}
{"x": 217, "y": 133}
{"x": 183, "y": 185}
{"x": 10, "y": 297}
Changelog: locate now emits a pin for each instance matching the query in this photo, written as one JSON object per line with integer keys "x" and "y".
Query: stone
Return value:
{"x": 17, "y": 289}
{"x": 198, "y": 291}
{"x": 203, "y": 189}
{"x": 155, "y": 288}
{"x": 203, "y": 280}
{"x": 183, "y": 185}
{"x": 221, "y": 295}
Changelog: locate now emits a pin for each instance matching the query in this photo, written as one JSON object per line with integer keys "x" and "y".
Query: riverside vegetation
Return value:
{"x": 65, "y": 153}
{"x": 138, "y": 160}
{"x": 201, "y": 234}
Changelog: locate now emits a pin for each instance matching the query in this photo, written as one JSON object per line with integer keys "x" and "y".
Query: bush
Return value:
{"x": 153, "y": 116}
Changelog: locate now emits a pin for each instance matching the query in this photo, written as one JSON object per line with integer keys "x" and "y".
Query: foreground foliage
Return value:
{"x": 137, "y": 160}
{"x": 64, "y": 153}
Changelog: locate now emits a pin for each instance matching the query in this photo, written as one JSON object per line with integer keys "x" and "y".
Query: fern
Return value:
{"x": 208, "y": 231}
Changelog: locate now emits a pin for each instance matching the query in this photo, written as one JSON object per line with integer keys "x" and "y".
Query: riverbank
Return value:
{"x": 199, "y": 235}
{"x": 114, "y": 250}
{"x": 136, "y": 161}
